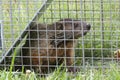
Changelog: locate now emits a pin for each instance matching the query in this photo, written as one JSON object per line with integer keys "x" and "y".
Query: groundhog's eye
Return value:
{"x": 75, "y": 25}
{"x": 59, "y": 26}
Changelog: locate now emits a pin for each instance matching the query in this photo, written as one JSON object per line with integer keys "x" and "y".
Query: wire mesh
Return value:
{"x": 96, "y": 49}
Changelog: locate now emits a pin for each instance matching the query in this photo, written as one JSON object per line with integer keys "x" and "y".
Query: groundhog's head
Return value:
{"x": 69, "y": 29}
{"x": 73, "y": 29}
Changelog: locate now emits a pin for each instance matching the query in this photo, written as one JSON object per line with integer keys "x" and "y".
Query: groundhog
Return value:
{"x": 49, "y": 45}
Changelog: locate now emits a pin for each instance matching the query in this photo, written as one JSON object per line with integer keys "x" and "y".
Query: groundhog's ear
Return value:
{"x": 33, "y": 26}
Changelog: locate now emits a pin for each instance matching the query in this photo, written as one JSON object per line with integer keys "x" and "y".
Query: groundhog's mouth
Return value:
{"x": 81, "y": 34}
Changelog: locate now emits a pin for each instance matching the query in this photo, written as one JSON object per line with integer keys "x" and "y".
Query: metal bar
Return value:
{"x": 25, "y": 31}
{"x": 1, "y": 35}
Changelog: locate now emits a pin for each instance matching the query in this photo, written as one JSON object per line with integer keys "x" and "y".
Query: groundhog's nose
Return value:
{"x": 88, "y": 26}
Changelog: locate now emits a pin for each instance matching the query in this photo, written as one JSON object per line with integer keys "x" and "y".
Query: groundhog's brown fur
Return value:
{"x": 48, "y": 45}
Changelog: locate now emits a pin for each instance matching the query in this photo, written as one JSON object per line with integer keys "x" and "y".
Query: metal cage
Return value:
{"x": 97, "y": 49}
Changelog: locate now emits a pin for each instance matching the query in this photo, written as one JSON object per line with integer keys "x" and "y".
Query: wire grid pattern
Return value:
{"x": 94, "y": 50}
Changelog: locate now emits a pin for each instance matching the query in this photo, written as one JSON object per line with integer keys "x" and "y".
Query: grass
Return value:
{"x": 101, "y": 41}
{"x": 111, "y": 73}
